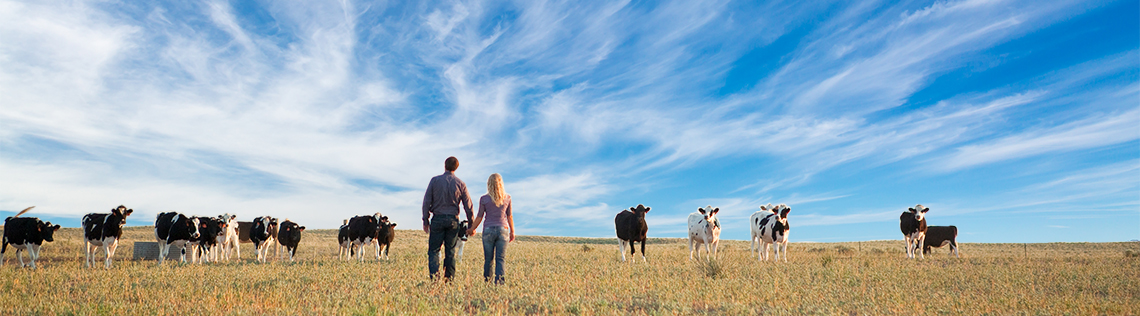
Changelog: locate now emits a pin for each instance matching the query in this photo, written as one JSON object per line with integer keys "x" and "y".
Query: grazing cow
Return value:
{"x": 263, "y": 234}
{"x": 27, "y": 233}
{"x": 764, "y": 211}
{"x": 938, "y": 236}
{"x": 205, "y": 248}
{"x": 344, "y": 242}
{"x": 388, "y": 234}
{"x": 913, "y": 226}
{"x": 289, "y": 235}
{"x": 704, "y": 229}
{"x": 463, "y": 227}
{"x": 363, "y": 230}
{"x": 229, "y": 241}
{"x": 630, "y": 225}
{"x": 773, "y": 229}
{"x": 103, "y": 230}
{"x": 177, "y": 230}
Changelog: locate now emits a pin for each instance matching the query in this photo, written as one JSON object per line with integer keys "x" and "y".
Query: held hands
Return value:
{"x": 471, "y": 232}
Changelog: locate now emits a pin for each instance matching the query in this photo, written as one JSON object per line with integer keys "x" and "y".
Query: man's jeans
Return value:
{"x": 495, "y": 247}
{"x": 444, "y": 232}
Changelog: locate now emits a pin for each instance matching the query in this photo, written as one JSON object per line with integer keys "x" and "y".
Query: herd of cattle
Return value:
{"x": 770, "y": 227}
{"x": 216, "y": 238}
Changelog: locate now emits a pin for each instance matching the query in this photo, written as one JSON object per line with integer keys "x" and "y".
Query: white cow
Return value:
{"x": 228, "y": 242}
{"x": 774, "y": 229}
{"x": 753, "y": 220}
{"x": 704, "y": 229}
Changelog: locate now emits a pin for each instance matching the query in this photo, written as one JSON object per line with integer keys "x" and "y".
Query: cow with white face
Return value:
{"x": 228, "y": 242}
{"x": 774, "y": 229}
{"x": 263, "y": 234}
{"x": 103, "y": 230}
{"x": 764, "y": 211}
{"x": 704, "y": 229}
{"x": 913, "y": 226}
{"x": 173, "y": 229}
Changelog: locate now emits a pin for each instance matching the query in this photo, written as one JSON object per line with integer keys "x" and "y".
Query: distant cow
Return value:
{"x": 938, "y": 236}
{"x": 630, "y": 225}
{"x": 463, "y": 227}
{"x": 289, "y": 235}
{"x": 263, "y": 234}
{"x": 344, "y": 242}
{"x": 173, "y": 229}
{"x": 913, "y": 226}
{"x": 26, "y": 233}
{"x": 103, "y": 230}
{"x": 773, "y": 229}
{"x": 388, "y": 234}
{"x": 704, "y": 229}
{"x": 362, "y": 231}
{"x": 764, "y": 211}
{"x": 205, "y": 247}
{"x": 229, "y": 243}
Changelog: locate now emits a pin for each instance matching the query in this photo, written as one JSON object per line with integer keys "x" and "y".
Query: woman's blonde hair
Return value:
{"x": 495, "y": 189}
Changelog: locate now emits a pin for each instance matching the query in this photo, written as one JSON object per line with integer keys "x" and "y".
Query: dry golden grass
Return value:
{"x": 585, "y": 276}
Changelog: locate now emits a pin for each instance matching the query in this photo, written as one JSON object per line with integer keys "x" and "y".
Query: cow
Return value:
{"x": 263, "y": 234}
{"x": 773, "y": 229}
{"x": 764, "y": 211}
{"x": 938, "y": 236}
{"x": 704, "y": 229}
{"x": 913, "y": 226}
{"x": 630, "y": 225}
{"x": 344, "y": 242}
{"x": 289, "y": 235}
{"x": 103, "y": 230}
{"x": 173, "y": 229}
{"x": 205, "y": 248}
{"x": 363, "y": 230}
{"x": 463, "y": 227}
{"x": 229, "y": 244}
{"x": 388, "y": 234}
{"x": 26, "y": 233}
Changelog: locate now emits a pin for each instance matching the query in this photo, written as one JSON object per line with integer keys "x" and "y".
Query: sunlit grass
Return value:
{"x": 585, "y": 276}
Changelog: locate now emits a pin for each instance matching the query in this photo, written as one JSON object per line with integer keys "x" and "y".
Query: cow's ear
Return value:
{"x": 302, "y": 228}
{"x": 647, "y": 209}
{"x": 702, "y": 210}
{"x": 233, "y": 216}
{"x": 911, "y": 209}
{"x": 393, "y": 224}
{"x": 129, "y": 211}
{"x": 925, "y": 209}
{"x": 763, "y": 208}
{"x": 715, "y": 210}
{"x": 55, "y": 228}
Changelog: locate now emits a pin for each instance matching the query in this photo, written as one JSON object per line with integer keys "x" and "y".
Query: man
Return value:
{"x": 444, "y": 194}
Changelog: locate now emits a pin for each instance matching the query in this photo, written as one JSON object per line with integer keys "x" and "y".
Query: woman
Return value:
{"x": 498, "y": 230}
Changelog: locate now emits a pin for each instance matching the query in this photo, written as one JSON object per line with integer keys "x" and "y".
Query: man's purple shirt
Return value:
{"x": 444, "y": 194}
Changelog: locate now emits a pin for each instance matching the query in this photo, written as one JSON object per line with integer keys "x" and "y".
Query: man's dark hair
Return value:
{"x": 451, "y": 163}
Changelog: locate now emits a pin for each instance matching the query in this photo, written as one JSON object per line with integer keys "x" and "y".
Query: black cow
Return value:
{"x": 388, "y": 234}
{"x": 174, "y": 229}
{"x": 26, "y": 233}
{"x": 913, "y": 226}
{"x": 289, "y": 235}
{"x": 103, "y": 230}
{"x": 205, "y": 246}
{"x": 938, "y": 236}
{"x": 630, "y": 225}
{"x": 463, "y": 227}
{"x": 344, "y": 242}
{"x": 263, "y": 233}
{"x": 364, "y": 230}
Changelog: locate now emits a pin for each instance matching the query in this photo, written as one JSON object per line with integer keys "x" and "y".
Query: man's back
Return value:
{"x": 444, "y": 195}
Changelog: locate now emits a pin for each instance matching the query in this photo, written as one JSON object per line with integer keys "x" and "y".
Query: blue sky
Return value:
{"x": 1017, "y": 121}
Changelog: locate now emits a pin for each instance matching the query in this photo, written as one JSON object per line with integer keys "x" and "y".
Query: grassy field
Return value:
{"x": 585, "y": 276}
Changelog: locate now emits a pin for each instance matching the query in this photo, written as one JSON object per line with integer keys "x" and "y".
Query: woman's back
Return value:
{"x": 494, "y": 216}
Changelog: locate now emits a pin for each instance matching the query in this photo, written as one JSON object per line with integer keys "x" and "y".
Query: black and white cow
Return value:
{"x": 26, "y": 233}
{"x": 388, "y": 234}
{"x": 229, "y": 243}
{"x": 463, "y": 227}
{"x": 362, "y": 231}
{"x": 704, "y": 229}
{"x": 938, "y": 236}
{"x": 173, "y": 229}
{"x": 263, "y": 234}
{"x": 344, "y": 242}
{"x": 289, "y": 235}
{"x": 773, "y": 229}
{"x": 103, "y": 230}
{"x": 205, "y": 247}
{"x": 913, "y": 226}
{"x": 764, "y": 211}
{"x": 630, "y": 225}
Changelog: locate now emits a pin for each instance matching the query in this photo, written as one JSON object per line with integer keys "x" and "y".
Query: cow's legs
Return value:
{"x": 692, "y": 245}
{"x": 784, "y": 245}
{"x": 918, "y": 245}
{"x": 643, "y": 251}
{"x": 621, "y": 249}
{"x": 19, "y": 257}
{"x": 87, "y": 252}
{"x": 954, "y": 247}
{"x": 109, "y": 249}
{"x": 163, "y": 249}
{"x": 715, "y": 244}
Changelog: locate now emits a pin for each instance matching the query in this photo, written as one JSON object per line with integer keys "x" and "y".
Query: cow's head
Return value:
{"x": 768, "y": 208}
{"x": 47, "y": 231}
{"x": 122, "y": 211}
{"x": 193, "y": 227}
{"x": 919, "y": 212}
{"x": 783, "y": 209}
{"x": 639, "y": 210}
{"x": 379, "y": 218}
{"x": 710, "y": 216}
{"x": 290, "y": 231}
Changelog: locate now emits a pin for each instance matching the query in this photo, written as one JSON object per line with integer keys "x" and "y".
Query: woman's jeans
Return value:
{"x": 495, "y": 247}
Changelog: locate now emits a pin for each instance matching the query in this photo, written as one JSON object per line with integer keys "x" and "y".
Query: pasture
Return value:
{"x": 585, "y": 276}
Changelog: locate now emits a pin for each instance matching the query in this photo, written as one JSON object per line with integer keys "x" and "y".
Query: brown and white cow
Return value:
{"x": 913, "y": 226}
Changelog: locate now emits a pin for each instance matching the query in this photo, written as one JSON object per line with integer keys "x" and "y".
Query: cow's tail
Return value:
{"x": 4, "y": 248}
{"x": 24, "y": 211}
